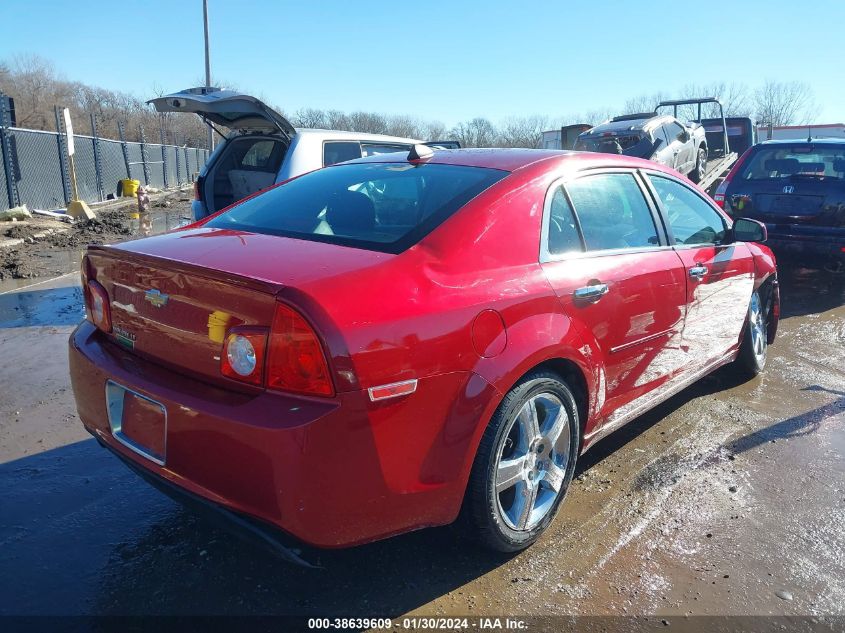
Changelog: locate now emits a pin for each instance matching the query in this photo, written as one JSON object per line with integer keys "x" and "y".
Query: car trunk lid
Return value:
{"x": 174, "y": 296}
{"x": 228, "y": 108}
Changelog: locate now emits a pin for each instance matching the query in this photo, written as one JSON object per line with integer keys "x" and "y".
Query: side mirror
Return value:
{"x": 747, "y": 230}
{"x": 683, "y": 136}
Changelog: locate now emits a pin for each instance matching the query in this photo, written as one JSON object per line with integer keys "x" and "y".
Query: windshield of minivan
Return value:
{"x": 378, "y": 206}
{"x": 795, "y": 161}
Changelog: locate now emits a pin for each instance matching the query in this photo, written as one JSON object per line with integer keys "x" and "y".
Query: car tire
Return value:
{"x": 700, "y": 166}
{"x": 524, "y": 464}
{"x": 753, "y": 350}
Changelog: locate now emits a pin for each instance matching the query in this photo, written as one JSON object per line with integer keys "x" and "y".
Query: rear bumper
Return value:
{"x": 262, "y": 534}
{"x": 330, "y": 472}
{"x": 821, "y": 241}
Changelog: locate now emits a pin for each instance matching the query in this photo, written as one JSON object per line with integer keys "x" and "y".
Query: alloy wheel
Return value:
{"x": 758, "y": 327}
{"x": 531, "y": 461}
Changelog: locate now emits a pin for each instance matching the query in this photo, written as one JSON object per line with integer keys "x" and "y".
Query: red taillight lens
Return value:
{"x": 295, "y": 360}
{"x": 243, "y": 355}
{"x": 719, "y": 194}
{"x": 98, "y": 307}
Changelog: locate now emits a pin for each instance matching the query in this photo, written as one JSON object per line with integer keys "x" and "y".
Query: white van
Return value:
{"x": 262, "y": 147}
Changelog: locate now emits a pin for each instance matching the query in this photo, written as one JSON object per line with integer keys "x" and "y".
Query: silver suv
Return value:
{"x": 661, "y": 138}
{"x": 262, "y": 147}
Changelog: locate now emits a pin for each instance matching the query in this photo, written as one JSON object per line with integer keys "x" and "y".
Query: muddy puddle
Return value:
{"x": 60, "y": 251}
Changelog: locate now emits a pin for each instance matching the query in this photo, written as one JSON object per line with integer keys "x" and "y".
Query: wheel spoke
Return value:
{"x": 528, "y": 420}
{"x": 509, "y": 473}
{"x": 527, "y": 499}
{"x": 554, "y": 476}
{"x": 556, "y": 432}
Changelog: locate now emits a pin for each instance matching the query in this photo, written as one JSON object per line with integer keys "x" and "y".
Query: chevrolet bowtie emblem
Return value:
{"x": 156, "y": 297}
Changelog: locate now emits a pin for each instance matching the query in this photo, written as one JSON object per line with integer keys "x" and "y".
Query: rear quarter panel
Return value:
{"x": 412, "y": 317}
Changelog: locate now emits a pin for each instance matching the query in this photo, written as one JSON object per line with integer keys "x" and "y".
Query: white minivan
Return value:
{"x": 263, "y": 148}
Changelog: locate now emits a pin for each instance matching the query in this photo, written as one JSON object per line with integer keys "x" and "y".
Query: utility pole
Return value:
{"x": 207, "y": 67}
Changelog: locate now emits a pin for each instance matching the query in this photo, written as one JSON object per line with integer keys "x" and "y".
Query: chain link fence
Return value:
{"x": 33, "y": 169}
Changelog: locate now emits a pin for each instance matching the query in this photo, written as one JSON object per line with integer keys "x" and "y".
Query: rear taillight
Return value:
{"x": 295, "y": 358}
{"x": 198, "y": 189}
{"x": 97, "y": 305}
{"x": 719, "y": 195}
{"x": 243, "y": 355}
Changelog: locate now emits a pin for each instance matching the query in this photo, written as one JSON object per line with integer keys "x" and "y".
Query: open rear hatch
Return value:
{"x": 228, "y": 108}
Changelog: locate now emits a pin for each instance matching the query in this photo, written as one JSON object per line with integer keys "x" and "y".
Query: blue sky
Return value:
{"x": 445, "y": 60}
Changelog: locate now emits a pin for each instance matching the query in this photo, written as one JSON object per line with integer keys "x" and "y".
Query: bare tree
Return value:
{"x": 735, "y": 99}
{"x": 403, "y": 125}
{"x": 478, "y": 132}
{"x": 433, "y": 131}
{"x": 337, "y": 120}
{"x": 367, "y": 122}
{"x": 644, "y": 103}
{"x": 522, "y": 131}
{"x": 310, "y": 118}
{"x": 784, "y": 103}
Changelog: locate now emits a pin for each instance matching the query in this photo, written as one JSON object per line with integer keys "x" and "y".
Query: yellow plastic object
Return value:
{"x": 130, "y": 187}
{"x": 78, "y": 210}
{"x": 217, "y": 322}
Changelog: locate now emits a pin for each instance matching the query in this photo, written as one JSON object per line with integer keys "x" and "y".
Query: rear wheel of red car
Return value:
{"x": 754, "y": 347}
{"x": 700, "y": 165}
{"x": 524, "y": 463}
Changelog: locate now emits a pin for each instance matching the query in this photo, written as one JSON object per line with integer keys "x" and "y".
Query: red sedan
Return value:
{"x": 380, "y": 345}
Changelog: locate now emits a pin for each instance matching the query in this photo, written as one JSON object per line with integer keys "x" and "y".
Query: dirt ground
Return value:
{"x": 50, "y": 246}
{"x": 728, "y": 499}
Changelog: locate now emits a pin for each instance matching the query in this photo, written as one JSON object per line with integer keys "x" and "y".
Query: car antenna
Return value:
{"x": 420, "y": 152}
{"x": 809, "y": 133}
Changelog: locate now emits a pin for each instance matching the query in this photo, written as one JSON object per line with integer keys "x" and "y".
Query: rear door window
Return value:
{"x": 692, "y": 220}
{"x": 379, "y": 206}
{"x": 563, "y": 236}
{"x": 374, "y": 149}
{"x": 613, "y": 212}
{"x": 340, "y": 151}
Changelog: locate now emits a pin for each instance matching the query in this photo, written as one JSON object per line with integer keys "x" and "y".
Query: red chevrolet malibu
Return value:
{"x": 380, "y": 345}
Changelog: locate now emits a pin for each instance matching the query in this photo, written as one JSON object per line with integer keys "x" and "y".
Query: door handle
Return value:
{"x": 593, "y": 292}
{"x": 697, "y": 272}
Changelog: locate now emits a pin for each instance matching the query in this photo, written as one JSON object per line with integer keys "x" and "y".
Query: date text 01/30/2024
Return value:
{"x": 419, "y": 623}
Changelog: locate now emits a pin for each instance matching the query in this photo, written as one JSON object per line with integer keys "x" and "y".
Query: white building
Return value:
{"x": 801, "y": 132}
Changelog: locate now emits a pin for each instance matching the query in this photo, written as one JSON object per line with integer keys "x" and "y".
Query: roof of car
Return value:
{"x": 506, "y": 159}
{"x": 343, "y": 135}
{"x": 627, "y": 124}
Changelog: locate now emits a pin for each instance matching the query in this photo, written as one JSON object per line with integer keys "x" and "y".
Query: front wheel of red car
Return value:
{"x": 524, "y": 463}
{"x": 754, "y": 347}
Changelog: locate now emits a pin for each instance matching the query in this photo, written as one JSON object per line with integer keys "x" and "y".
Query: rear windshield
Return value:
{"x": 795, "y": 161}
{"x": 378, "y": 206}
{"x": 628, "y": 144}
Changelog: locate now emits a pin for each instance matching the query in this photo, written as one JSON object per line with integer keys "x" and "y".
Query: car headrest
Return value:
{"x": 351, "y": 211}
{"x": 782, "y": 165}
{"x": 839, "y": 164}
